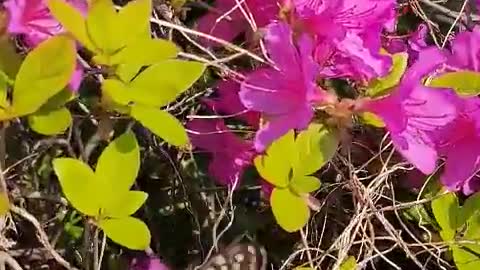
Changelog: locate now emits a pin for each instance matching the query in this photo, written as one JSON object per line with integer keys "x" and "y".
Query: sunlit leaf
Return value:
{"x": 103, "y": 28}
{"x": 446, "y": 210}
{"x": 161, "y": 83}
{"x": 124, "y": 204}
{"x": 126, "y": 73}
{"x": 118, "y": 165}
{"x": 372, "y": 119}
{"x": 315, "y": 146}
{"x": 78, "y": 184}
{"x": 50, "y": 122}
{"x": 144, "y": 52}
{"x": 161, "y": 123}
{"x": 382, "y": 85}
{"x": 72, "y": 20}
{"x": 470, "y": 208}
{"x": 466, "y": 259}
{"x": 4, "y": 84}
{"x": 349, "y": 264}
{"x": 134, "y": 19}
{"x": 463, "y": 82}
{"x": 304, "y": 184}
{"x": 127, "y": 231}
{"x": 275, "y": 166}
{"x": 45, "y": 71}
{"x": 290, "y": 211}
{"x": 58, "y": 100}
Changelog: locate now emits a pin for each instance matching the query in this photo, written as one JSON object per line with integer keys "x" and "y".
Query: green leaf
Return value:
{"x": 4, "y": 203}
{"x": 276, "y": 165}
{"x": 78, "y": 184}
{"x": 118, "y": 166}
{"x": 72, "y": 20}
{"x": 45, "y": 72}
{"x": 419, "y": 214}
{"x": 290, "y": 211}
{"x": 161, "y": 123}
{"x": 463, "y": 82}
{"x": 381, "y": 86}
{"x": 464, "y": 259}
{"x": 118, "y": 91}
{"x": 372, "y": 119}
{"x": 304, "y": 184}
{"x": 125, "y": 205}
{"x": 103, "y": 28}
{"x": 446, "y": 210}
{"x": 161, "y": 83}
{"x": 349, "y": 264}
{"x": 145, "y": 52}
{"x": 134, "y": 19}
{"x": 315, "y": 146}
{"x": 50, "y": 122}
{"x": 472, "y": 231}
{"x": 4, "y": 84}
{"x": 127, "y": 231}
{"x": 471, "y": 207}
{"x": 10, "y": 60}
{"x": 58, "y": 101}
{"x": 126, "y": 73}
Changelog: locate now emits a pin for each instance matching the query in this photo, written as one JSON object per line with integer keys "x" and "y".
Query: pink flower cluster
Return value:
{"x": 32, "y": 20}
{"x": 309, "y": 40}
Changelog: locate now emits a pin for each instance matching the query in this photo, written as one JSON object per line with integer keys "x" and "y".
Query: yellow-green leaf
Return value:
{"x": 10, "y": 60}
{"x": 118, "y": 91}
{"x": 72, "y": 20}
{"x": 381, "y": 86}
{"x": 45, "y": 71}
{"x": 161, "y": 83}
{"x": 127, "y": 72}
{"x": 50, "y": 122}
{"x": 304, "y": 184}
{"x": 4, "y": 90}
{"x": 129, "y": 232}
{"x": 161, "y": 123}
{"x": 78, "y": 184}
{"x": 103, "y": 28}
{"x": 446, "y": 210}
{"x": 118, "y": 166}
{"x": 315, "y": 147}
{"x": 372, "y": 119}
{"x": 4, "y": 203}
{"x": 145, "y": 52}
{"x": 349, "y": 264}
{"x": 466, "y": 259}
{"x": 463, "y": 82}
{"x": 275, "y": 166}
{"x": 290, "y": 211}
{"x": 124, "y": 204}
{"x": 134, "y": 18}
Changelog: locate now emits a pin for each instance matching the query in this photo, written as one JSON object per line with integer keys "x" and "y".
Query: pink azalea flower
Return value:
{"x": 284, "y": 95}
{"x": 228, "y": 102}
{"x": 147, "y": 263}
{"x": 33, "y": 20}
{"x": 228, "y": 27}
{"x": 413, "y": 44}
{"x": 413, "y": 113}
{"x": 466, "y": 51}
{"x": 353, "y": 28}
{"x": 230, "y": 154}
{"x": 459, "y": 143}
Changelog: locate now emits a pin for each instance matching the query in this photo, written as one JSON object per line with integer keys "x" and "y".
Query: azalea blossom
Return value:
{"x": 284, "y": 94}
{"x": 459, "y": 143}
{"x": 353, "y": 28}
{"x": 227, "y": 18}
{"x": 33, "y": 21}
{"x": 466, "y": 51}
{"x": 413, "y": 44}
{"x": 230, "y": 154}
{"x": 414, "y": 113}
{"x": 227, "y": 102}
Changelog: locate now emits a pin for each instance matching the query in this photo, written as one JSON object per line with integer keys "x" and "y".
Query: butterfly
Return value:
{"x": 237, "y": 256}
